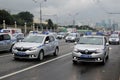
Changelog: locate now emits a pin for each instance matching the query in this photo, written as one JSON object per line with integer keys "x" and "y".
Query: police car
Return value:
{"x": 36, "y": 46}
{"x": 6, "y": 42}
{"x": 91, "y": 49}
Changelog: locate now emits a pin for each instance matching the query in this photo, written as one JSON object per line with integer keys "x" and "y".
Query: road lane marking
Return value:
{"x": 31, "y": 67}
{"x": 5, "y": 55}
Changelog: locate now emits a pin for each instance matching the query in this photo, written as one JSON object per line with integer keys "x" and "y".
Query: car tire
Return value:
{"x": 56, "y": 52}
{"x": 66, "y": 41}
{"x": 74, "y": 62}
{"x": 118, "y": 43}
{"x": 16, "y": 58}
{"x": 11, "y": 48}
{"x": 107, "y": 57}
{"x": 104, "y": 61}
{"x": 41, "y": 56}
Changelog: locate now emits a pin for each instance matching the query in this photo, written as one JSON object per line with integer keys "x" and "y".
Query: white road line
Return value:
{"x": 5, "y": 55}
{"x": 17, "y": 72}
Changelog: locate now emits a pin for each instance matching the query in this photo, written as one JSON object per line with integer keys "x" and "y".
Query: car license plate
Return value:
{"x": 113, "y": 40}
{"x": 85, "y": 56}
{"x": 21, "y": 53}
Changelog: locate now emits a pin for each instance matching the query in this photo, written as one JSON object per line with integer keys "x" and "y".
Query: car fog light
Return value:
{"x": 74, "y": 58}
{"x": 32, "y": 56}
{"x": 98, "y": 59}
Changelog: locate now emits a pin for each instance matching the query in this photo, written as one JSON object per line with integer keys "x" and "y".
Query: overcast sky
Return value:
{"x": 64, "y": 11}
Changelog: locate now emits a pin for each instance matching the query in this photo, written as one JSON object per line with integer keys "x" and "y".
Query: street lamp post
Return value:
{"x": 25, "y": 26}
{"x": 74, "y": 18}
{"x": 40, "y": 4}
{"x": 4, "y": 24}
{"x": 15, "y": 25}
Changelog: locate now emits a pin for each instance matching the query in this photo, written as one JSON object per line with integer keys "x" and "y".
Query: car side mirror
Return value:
{"x": 107, "y": 44}
{"x": 19, "y": 40}
{"x": 46, "y": 42}
{"x": 75, "y": 43}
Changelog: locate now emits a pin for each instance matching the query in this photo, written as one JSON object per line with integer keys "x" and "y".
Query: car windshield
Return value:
{"x": 72, "y": 35}
{"x": 61, "y": 33}
{"x": 91, "y": 40}
{"x": 114, "y": 36}
{"x": 33, "y": 39}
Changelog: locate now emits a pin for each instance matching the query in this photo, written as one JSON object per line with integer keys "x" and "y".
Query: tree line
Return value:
{"x": 23, "y": 17}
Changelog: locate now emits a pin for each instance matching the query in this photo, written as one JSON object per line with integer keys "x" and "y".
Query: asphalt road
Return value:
{"x": 61, "y": 67}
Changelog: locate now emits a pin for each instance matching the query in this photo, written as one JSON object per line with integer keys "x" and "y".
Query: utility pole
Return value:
{"x": 40, "y": 5}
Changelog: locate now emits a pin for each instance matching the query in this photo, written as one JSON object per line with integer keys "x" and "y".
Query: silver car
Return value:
{"x": 91, "y": 49}
{"x": 6, "y": 42}
{"x": 114, "y": 38}
{"x": 72, "y": 37}
{"x": 36, "y": 46}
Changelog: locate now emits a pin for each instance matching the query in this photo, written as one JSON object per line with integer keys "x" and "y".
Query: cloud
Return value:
{"x": 89, "y": 10}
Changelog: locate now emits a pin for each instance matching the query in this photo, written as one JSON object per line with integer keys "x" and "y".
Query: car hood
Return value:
{"x": 88, "y": 47}
{"x": 27, "y": 44}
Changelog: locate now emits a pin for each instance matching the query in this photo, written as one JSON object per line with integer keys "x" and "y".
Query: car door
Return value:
{"x": 1, "y": 43}
{"x": 52, "y": 44}
{"x": 106, "y": 46}
{"x": 7, "y": 42}
{"x": 47, "y": 45}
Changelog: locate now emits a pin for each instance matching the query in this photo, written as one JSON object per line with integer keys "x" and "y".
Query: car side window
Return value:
{"x": 6, "y": 37}
{"x": 52, "y": 39}
{"x": 47, "y": 39}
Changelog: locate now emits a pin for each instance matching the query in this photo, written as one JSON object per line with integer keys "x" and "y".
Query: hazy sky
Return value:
{"x": 65, "y": 11}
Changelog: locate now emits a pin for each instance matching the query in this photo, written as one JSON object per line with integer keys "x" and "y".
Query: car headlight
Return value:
{"x": 75, "y": 50}
{"x": 117, "y": 39}
{"x": 33, "y": 48}
{"x": 66, "y": 38}
{"x": 14, "y": 47}
{"x": 73, "y": 38}
{"x": 99, "y": 50}
{"x": 110, "y": 39}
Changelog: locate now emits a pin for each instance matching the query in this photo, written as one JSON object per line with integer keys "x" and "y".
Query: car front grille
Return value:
{"x": 22, "y": 49}
{"x": 86, "y": 52}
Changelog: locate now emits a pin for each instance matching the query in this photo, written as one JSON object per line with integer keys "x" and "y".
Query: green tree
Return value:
{"x": 4, "y": 15}
{"x": 26, "y": 16}
{"x": 23, "y": 17}
{"x": 18, "y": 20}
{"x": 50, "y": 24}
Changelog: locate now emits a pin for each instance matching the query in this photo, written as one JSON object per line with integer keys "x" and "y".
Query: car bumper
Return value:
{"x": 25, "y": 55}
{"x": 113, "y": 41}
{"x": 89, "y": 58}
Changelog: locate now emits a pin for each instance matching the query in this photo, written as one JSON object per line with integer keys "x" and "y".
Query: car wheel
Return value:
{"x": 118, "y": 43}
{"x": 75, "y": 62}
{"x": 11, "y": 48}
{"x": 107, "y": 57}
{"x": 41, "y": 56}
{"x": 56, "y": 52}
{"x": 15, "y": 58}
{"x": 104, "y": 61}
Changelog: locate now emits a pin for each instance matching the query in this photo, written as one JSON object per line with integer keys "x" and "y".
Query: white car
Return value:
{"x": 91, "y": 49}
{"x": 36, "y": 46}
{"x": 72, "y": 37}
{"x": 6, "y": 41}
{"x": 114, "y": 38}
